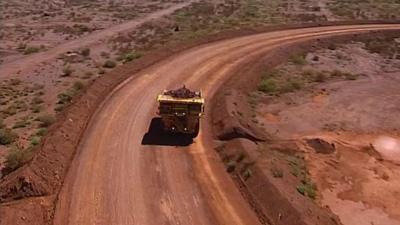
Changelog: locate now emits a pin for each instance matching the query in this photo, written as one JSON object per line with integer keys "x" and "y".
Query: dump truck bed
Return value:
{"x": 180, "y": 110}
{"x": 168, "y": 98}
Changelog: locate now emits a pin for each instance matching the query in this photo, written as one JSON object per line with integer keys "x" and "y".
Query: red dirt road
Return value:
{"x": 115, "y": 179}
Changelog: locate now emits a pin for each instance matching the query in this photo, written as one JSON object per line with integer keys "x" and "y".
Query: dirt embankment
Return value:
{"x": 275, "y": 201}
{"x": 44, "y": 175}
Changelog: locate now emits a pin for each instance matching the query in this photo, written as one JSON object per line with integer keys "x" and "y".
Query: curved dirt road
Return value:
{"x": 115, "y": 179}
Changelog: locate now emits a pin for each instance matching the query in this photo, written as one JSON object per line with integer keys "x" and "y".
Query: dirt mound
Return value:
{"x": 321, "y": 146}
{"x": 26, "y": 184}
{"x": 32, "y": 211}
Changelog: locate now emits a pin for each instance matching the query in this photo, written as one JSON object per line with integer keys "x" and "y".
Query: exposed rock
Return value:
{"x": 234, "y": 132}
{"x": 321, "y": 146}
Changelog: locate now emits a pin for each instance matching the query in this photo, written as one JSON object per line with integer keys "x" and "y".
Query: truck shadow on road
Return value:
{"x": 156, "y": 136}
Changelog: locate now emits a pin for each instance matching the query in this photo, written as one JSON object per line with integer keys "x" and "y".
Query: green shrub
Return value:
{"x": 37, "y": 100}
{"x": 35, "y": 140}
{"x": 337, "y": 73}
{"x": 46, "y": 120}
{"x": 36, "y": 108}
{"x": 231, "y": 166}
{"x": 291, "y": 85}
{"x": 299, "y": 59}
{"x": 307, "y": 188}
{"x": 15, "y": 81}
{"x": 41, "y": 131}
{"x": 7, "y": 136}
{"x": 109, "y": 64}
{"x": 64, "y": 98}
{"x": 267, "y": 85}
{"x": 31, "y": 49}
{"x": 85, "y": 52}
{"x": 21, "y": 105}
{"x": 308, "y": 74}
{"x": 59, "y": 108}
{"x": 247, "y": 174}
{"x": 320, "y": 77}
{"x": 87, "y": 75}
{"x": 67, "y": 71}
{"x": 78, "y": 85}
{"x": 16, "y": 158}
{"x": 241, "y": 157}
{"x": 130, "y": 56}
{"x": 10, "y": 110}
{"x": 276, "y": 172}
{"x": 21, "y": 124}
{"x": 101, "y": 71}
{"x": 351, "y": 76}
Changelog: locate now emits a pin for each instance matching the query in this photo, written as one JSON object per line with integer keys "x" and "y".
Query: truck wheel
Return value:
{"x": 196, "y": 131}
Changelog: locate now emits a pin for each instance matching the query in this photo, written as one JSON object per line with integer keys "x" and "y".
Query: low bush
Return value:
{"x": 35, "y": 140}
{"x": 59, "y": 108}
{"x": 109, "y": 64}
{"x": 21, "y": 124}
{"x": 276, "y": 172}
{"x": 299, "y": 59}
{"x": 36, "y": 108}
{"x": 78, "y": 85}
{"x": 291, "y": 85}
{"x": 231, "y": 166}
{"x": 37, "y": 100}
{"x": 7, "y": 136}
{"x": 41, "y": 131}
{"x": 16, "y": 158}
{"x": 307, "y": 188}
{"x": 15, "y": 81}
{"x": 130, "y": 56}
{"x": 319, "y": 77}
{"x": 85, "y": 52}
{"x": 350, "y": 76}
{"x": 87, "y": 75}
{"x": 31, "y": 49}
{"x": 46, "y": 120}
{"x": 67, "y": 71}
{"x": 64, "y": 98}
{"x": 10, "y": 110}
{"x": 246, "y": 174}
{"x": 267, "y": 85}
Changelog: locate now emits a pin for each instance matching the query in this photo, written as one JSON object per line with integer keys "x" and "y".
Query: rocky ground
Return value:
{"x": 330, "y": 118}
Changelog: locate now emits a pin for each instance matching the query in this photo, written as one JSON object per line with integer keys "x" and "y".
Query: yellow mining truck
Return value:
{"x": 181, "y": 110}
